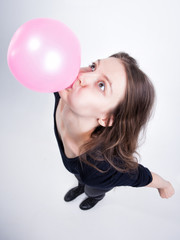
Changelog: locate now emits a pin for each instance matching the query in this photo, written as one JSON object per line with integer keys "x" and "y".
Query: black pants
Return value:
{"x": 92, "y": 191}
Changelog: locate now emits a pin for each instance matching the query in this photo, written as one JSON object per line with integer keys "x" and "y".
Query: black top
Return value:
{"x": 92, "y": 177}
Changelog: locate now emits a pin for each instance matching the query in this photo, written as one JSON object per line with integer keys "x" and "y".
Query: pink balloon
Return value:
{"x": 44, "y": 55}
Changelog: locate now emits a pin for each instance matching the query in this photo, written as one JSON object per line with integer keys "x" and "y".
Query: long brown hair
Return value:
{"x": 117, "y": 144}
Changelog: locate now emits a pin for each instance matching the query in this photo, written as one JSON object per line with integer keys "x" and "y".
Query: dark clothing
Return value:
{"x": 92, "y": 191}
{"x": 88, "y": 175}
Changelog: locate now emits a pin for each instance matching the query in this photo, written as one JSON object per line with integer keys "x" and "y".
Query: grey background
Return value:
{"x": 33, "y": 179}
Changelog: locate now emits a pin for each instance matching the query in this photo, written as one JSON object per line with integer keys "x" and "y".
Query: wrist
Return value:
{"x": 166, "y": 184}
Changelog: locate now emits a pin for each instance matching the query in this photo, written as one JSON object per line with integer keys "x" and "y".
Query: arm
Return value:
{"x": 164, "y": 187}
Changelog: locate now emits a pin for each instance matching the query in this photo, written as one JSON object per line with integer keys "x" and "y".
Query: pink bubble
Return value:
{"x": 44, "y": 55}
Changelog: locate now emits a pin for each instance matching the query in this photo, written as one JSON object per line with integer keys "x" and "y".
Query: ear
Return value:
{"x": 103, "y": 121}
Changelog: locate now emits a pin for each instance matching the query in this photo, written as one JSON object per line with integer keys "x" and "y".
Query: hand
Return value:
{"x": 167, "y": 191}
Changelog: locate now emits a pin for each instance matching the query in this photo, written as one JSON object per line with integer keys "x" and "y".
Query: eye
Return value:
{"x": 101, "y": 86}
{"x": 93, "y": 66}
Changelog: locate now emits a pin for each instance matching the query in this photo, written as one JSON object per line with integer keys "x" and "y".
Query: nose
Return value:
{"x": 81, "y": 82}
{"x": 85, "y": 76}
{"x": 84, "y": 79}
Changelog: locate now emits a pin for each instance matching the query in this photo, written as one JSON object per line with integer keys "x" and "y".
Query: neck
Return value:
{"x": 77, "y": 129}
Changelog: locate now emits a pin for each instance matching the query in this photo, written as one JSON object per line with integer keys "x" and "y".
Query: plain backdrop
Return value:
{"x": 33, "y": 180}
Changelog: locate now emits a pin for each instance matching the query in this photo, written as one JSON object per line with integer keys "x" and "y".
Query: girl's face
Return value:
{"x": 97, "y": 90}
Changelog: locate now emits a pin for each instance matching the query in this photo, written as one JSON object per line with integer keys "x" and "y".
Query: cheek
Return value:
{"x": 85, "y": 105}
{"x": 80, "y": 103}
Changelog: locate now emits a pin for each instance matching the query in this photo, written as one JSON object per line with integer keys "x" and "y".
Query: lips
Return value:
{"x": 72, "y": 85}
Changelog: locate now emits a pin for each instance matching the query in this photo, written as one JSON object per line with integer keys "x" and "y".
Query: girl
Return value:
{"x": 97, "y": 121}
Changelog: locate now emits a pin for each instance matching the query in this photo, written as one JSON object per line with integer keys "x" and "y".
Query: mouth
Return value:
{"x": 70, "y": 86}
{"x": 73, "y": 85}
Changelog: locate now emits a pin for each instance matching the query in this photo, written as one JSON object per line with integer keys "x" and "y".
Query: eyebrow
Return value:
{"x": 107, "y": 79}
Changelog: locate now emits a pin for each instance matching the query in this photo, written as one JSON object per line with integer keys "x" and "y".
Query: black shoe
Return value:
{"x": 90, "y": 202}
{"x": 73, "y": 193}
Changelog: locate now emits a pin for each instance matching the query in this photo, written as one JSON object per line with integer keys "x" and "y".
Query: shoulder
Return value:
{"x": 57, "y": 95}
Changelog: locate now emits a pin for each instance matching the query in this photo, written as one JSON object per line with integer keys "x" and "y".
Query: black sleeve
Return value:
{"x": 142, "y": 177}
{"x": 139, "y": 178}
{"x": 113, "y": 178}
